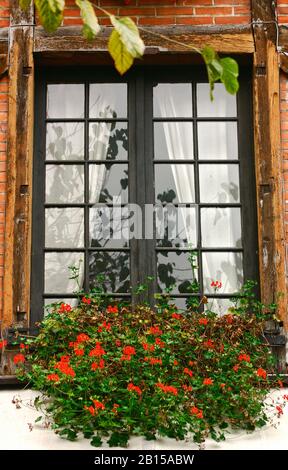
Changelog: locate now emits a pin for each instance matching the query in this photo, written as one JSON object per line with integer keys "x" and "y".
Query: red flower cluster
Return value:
{"x": 187, "y": 388}
{"x": 64, "y": 308}
{"x": 148, "y": 347}
{"x": 22, "y": 346}
{"x": 134, "y": 388}
{"x": 203, "y": 321}
{"x": 115, "y": 408}
{"x": 86, "y": 300}
{"x": 208, "y": 381}
{"x": 53, "y": 377}
{"x": 128, "y": 351}
{"x": 209, "y": 344}
{"x": 155, "y": 330}
{"x": 229, "y": 318}
{"x": 216, "y": 284}
{"x": 90, "y": 409}
{"x": 106, "y": 326}
{"x": 99, "y": 405}
{"x": 97, "y": 351}
{"x": 176, "y": 363}
{"x": 111, "y": 309}
{"x": 167, "y": 388}
{"x": 236, "y": 367}
{"x": 176, "y": 316}
{"x": 262, "y": 373}
{"x": 79, "y": 351}
{"x": 19, "y": 358}
{"x": 159, "y": 343}
{"x": 188, "y": 372}
{"x": 3, "y": 343}
{"x": 244, "y": 357}
{"x": 64, "y": 367}
{"x": 195, "y": 411}
{"x": 99, "y": 365}
{"x": 82, "y": 338}
{"x": 153, "y": 360}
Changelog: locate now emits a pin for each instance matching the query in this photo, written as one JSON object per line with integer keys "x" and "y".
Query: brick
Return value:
{"x": 156, "y": 21}
{"x": 170, "y": 11}
{"x": 214, "y": 11}
{"x": 194, "y": 20}
{"x": 232, "y": 19}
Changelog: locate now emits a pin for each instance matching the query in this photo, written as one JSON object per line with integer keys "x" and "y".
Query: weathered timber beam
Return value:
{"x": 232, "y": 39}
{"x": 19, "y": 168}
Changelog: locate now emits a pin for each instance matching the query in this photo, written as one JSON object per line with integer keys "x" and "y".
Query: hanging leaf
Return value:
{"x": 225, "y": 70}
{"x": 122, "y": 58}
{"x": 50, "y": 13}
{"x": 129, "y": 35}
{"x": 90, "y": 22}
{"x": 25, "y": 4}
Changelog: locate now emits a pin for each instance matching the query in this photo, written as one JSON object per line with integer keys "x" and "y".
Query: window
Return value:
{"x": 150, "y": 155}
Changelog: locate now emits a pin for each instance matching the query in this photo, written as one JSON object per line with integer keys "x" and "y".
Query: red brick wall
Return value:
{"x": 4, "y": 13}
{"x": 164, "y": 12}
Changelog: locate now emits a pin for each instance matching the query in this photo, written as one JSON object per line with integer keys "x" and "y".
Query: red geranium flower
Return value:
{"x": 65, "y": 368}
{"x": 167, "y": 388}
{"x": 155, "y": 330}
{"x": 159, "y": 343}
{"x": 154, "y": 360}
{"x": 79, "y": 352}
{"x": 188, "y": 372}
{"x": 222, "y": 385}
{"x": 65, "y": 358}
{"x": 208, "y": 381}
{"x": 209, "y": 344}
{"x": 195, "y": 411}
{"x": 175, "y": 363}
{"x": 148, "y": 347}
{"x": 53, "y": 377}
{"x": 65, "y": 308}
{"x": 90, "y": 409}
{"x": 3, "y": 343}
{"x": 118, "y": 342}
{"x": 86, "y": 300}
{"x": 125, "y": 358}
{"x": 97, "y": 351}
{"x": 99, "y": 405}
{"x": 82, "y": 338}
{"x": 236, "y": 367}
{"x": 203, "y": 321}
{"x": 187, "y": 388}
{"x": 216, "y": 284}
{"x": 111, "y": 309}
{"x": 262, "y": 373}
{"x": 176, "y": 316}
{"x": 22, "y": 346}
{"x": 129, "y": 350}
{"x": 19, "y": 358}
{"x": 134, "y": 388}
{"x": 229, "y": 318}
{"x": 115, "y": 408}
{"x": 244, "y": 357}
{"x": 99, "y": 365}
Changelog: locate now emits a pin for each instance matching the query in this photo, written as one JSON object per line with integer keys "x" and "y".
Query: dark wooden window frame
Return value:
{"x": 141, "y": 81}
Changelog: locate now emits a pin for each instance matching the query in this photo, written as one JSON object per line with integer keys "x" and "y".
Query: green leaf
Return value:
{"x": 122, "y": 58}
{"x": 50, "y": 13}
{"x": 230, "y": 75}
{"x": 129, "y": 35}
{"x": 90, "y": 22}
{"x": 118, "y": 439}
{"x": 25, "y": 4}
{"x": 96, "y": 441}
{"x": 38, "y": 419}
{"x": 225, "y": 70}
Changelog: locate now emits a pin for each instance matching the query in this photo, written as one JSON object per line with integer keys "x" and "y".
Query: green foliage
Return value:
{"x": 50, "y": 13}
{"x": 113, "y": 371}
{"x": 90, "y": 22}
{"x": 24, "y": 4}
{"x": 125, "y": 43}
{"x": 225, "y": 69}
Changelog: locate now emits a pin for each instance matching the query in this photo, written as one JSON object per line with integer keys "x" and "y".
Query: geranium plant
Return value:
{"x": 113, "y": 370}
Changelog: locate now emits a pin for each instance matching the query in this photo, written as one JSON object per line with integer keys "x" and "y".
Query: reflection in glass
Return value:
{"x": 173, "y": 140}
{"x": 219, "y": 306}
{"x": 175, "y": 226}
{"x": 64, "y": 183}
{"x": 108, "y": 141}
{"x": 174, "y": 183}
{"x": 108, "y": 100}
{"x": 109, "y": 227}
{"x": 217, "y": 140}
{"x": 65, "y": 101}
{"x": 219, "y": 183}
{"x": 113, "y": 267}
{"x": 108, "y": 183}
{"x": 57, "y": 273}
{"x": 221, "y": 227}
{"x": 172, "y": 100}
{"x": 174, "y": 270}
{"x": 65, "y": 141}
{"x": 224, "y": 267}
{"x": 64, "y": 228}
{"x": 223, "y": 105}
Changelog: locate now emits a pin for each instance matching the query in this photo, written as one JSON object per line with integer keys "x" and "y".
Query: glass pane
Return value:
{"x": 176, "y": 226}
{"x": 65, "y": 141}
{"x": 108, "y": 100}
{"x": 64, "y": 184}
{"x": 224, "y": 267}
{"x": 219, "y": 183}
{"x": 172, "y": 100}
{"x": 174, "y": 183}
{"x": 64, "y": 228}
{"x": 109, "y": 227}
{"x": 57, "y": 272}
{"x": 174, "y": 270}
{"x": 219, "y": 306}
{"x": 65, "y": 101}
{"x": 108, "y": 141}
{"x": 223, "y": 105}
{"x": 221, "y": 227}
{"x": 114, "y": 267}
{"x": 217, "y": 140}
{"x": 173, "y": 140}
{"x": 108, "y": 183}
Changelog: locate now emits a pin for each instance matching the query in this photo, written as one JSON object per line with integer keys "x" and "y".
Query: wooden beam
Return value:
{"x": 269, "y": 172}
{"x": 232, "y": 39}
{"x": 19, "y": 168}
